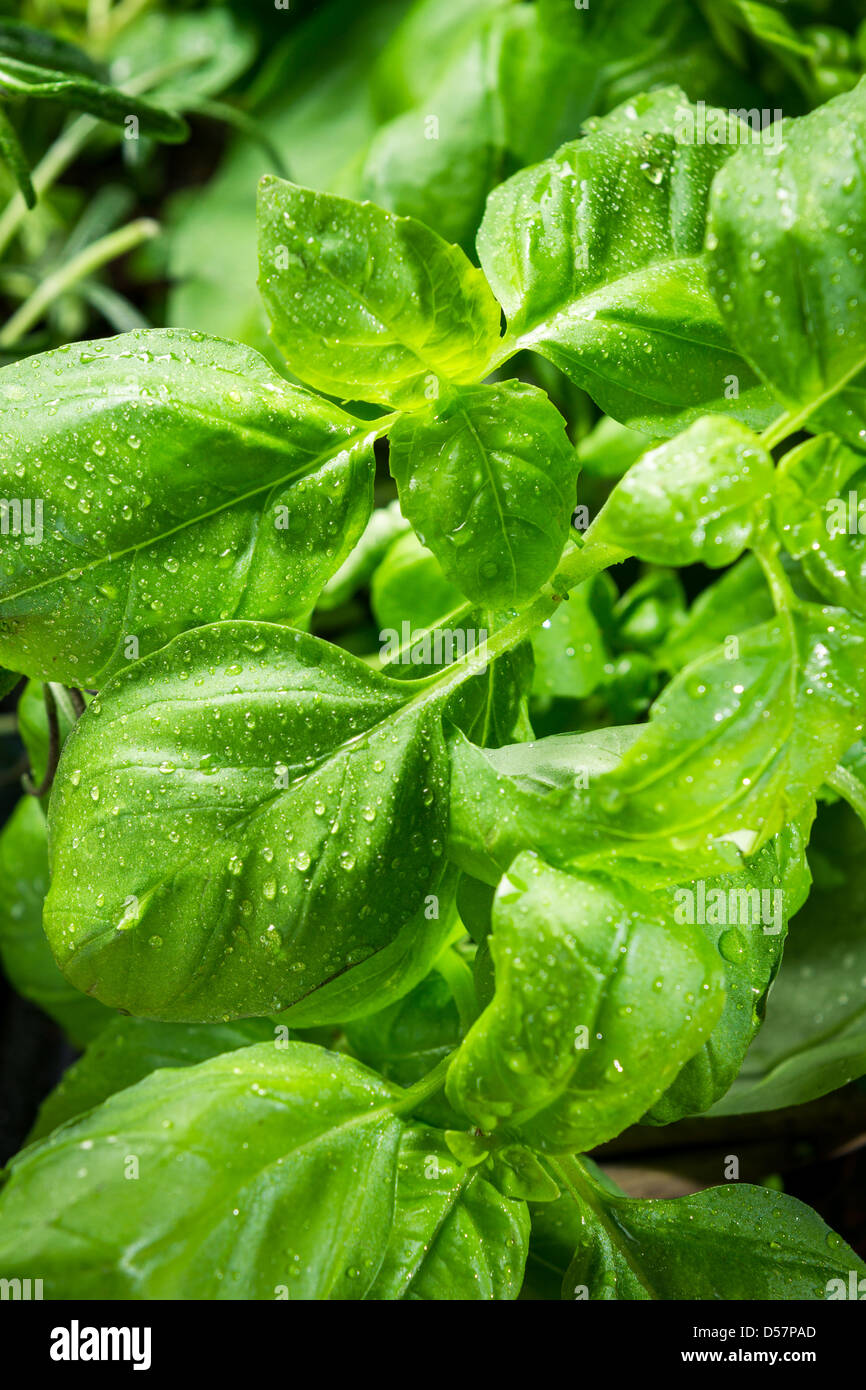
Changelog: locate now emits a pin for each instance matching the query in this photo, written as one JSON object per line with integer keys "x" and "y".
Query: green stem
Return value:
{"x": 571, "y": 1175}
{"x": 794, "y": 420}
{"x": 850, "y": 789}
{"x": 454, "y": 618}
{"x": 458, "y": 977}
{"x": 783, "y": 596}
{"x": 99, "y": 253}
{"x": 423, "y": 1089}
{"x": 579, "y": 565}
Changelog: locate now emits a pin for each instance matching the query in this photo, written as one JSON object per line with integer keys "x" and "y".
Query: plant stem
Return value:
{"x": 850, "y": 789}
{"x": 454, "y": 618}
{"x": 423, "y": 1089}
{"x": 458, "y": 977}
{"x": 783, "y": 596}
{"x": 793, "y": 420}
{"x": 53, "y": 748}
{"x": 579, "y": 565}
{"x": 99, "y": 253}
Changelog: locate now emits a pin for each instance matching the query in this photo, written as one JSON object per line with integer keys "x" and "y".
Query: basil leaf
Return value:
{"x": 738, "y": 600}
{"x": 366, "y": 305}
{"x": 487, "y": 478}
{"x": 597, "y": 258}
{"x": 820, "y": 511}
{"x": 455, "y": 1236}
{"x": 128, "y": 1049}
{"x": 424, "y": 626}
{"x": 200, "y": 54}
{"x": 198, "y": 872}
{"x": 737, "y": 747}
{"x": 543, "y": 795}
{"x": 409, "y": 587}
{"x": 745, "y": 918}
{"x": 693, "y": 499}
{"x": 571, "y": 655}
{"x": 599, "y": 1001}
{"x": 384, "y": 527}
{"x": 387, "y": 975}
{"x": 784, "y": 228}
{"x": 441, "y": 170}
{"x": 24, "y": 951}
{"x": 261, "y": 1174}
{"x": 192, "y": 459}
{"x": 610, "y": 449}
{"x": 736, "y": 1242}
{"x": 814, "y": 1039}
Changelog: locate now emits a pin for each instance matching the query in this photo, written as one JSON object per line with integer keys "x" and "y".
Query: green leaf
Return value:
{"x": 406, "y": 1040}
{"x": 25, "y": 42}
{"x": 128, "y": 1049}
{"x": 180, "y": 482}
{"x": 384, "y": 527}
{"x": 25, "y": 953}
{"x": 76, "y": 92}
{"x": 737, "y": 746}
{"x": 570, "y": 651}
{"x": 422, "y": 48}
{"x": 260, "y": 1174}
{"x": 487, "y": 478}
{"x": 785, "y": 224}
{"x": 736, "y": 601}
{"x": 820, "y": 511}
{"x": 409, "y": 587}
{"x": 424, "y": 626}
{"x": 814, "y": 1037}
{"x": 648, "y": 610}
{"x": 201, "y": 54}
{"x": 9, "y": 680}
{"x": 731, "y": 1243}
{"x": 365, "y": 305}
{"x": 610, "y": 449}
{"x": 597, "y": 259}
{"x": 745, "y": 918}
{"x": 236, "y": 820}
{"x": 438, "y": 160}
{"x": 541, "y": 795}
{"x": 389, "y": 974}
{"x": 455, "y": 1236}
{"x": 696, "y": 498}
{"x": 599, "y": 1001}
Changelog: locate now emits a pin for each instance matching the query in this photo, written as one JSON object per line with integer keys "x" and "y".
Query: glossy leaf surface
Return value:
{"x": 271, "y": 814}
{"x": 191, "y": 485}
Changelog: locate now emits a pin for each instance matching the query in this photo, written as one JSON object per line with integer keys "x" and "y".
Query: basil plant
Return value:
{"x": 368, "y": 945}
